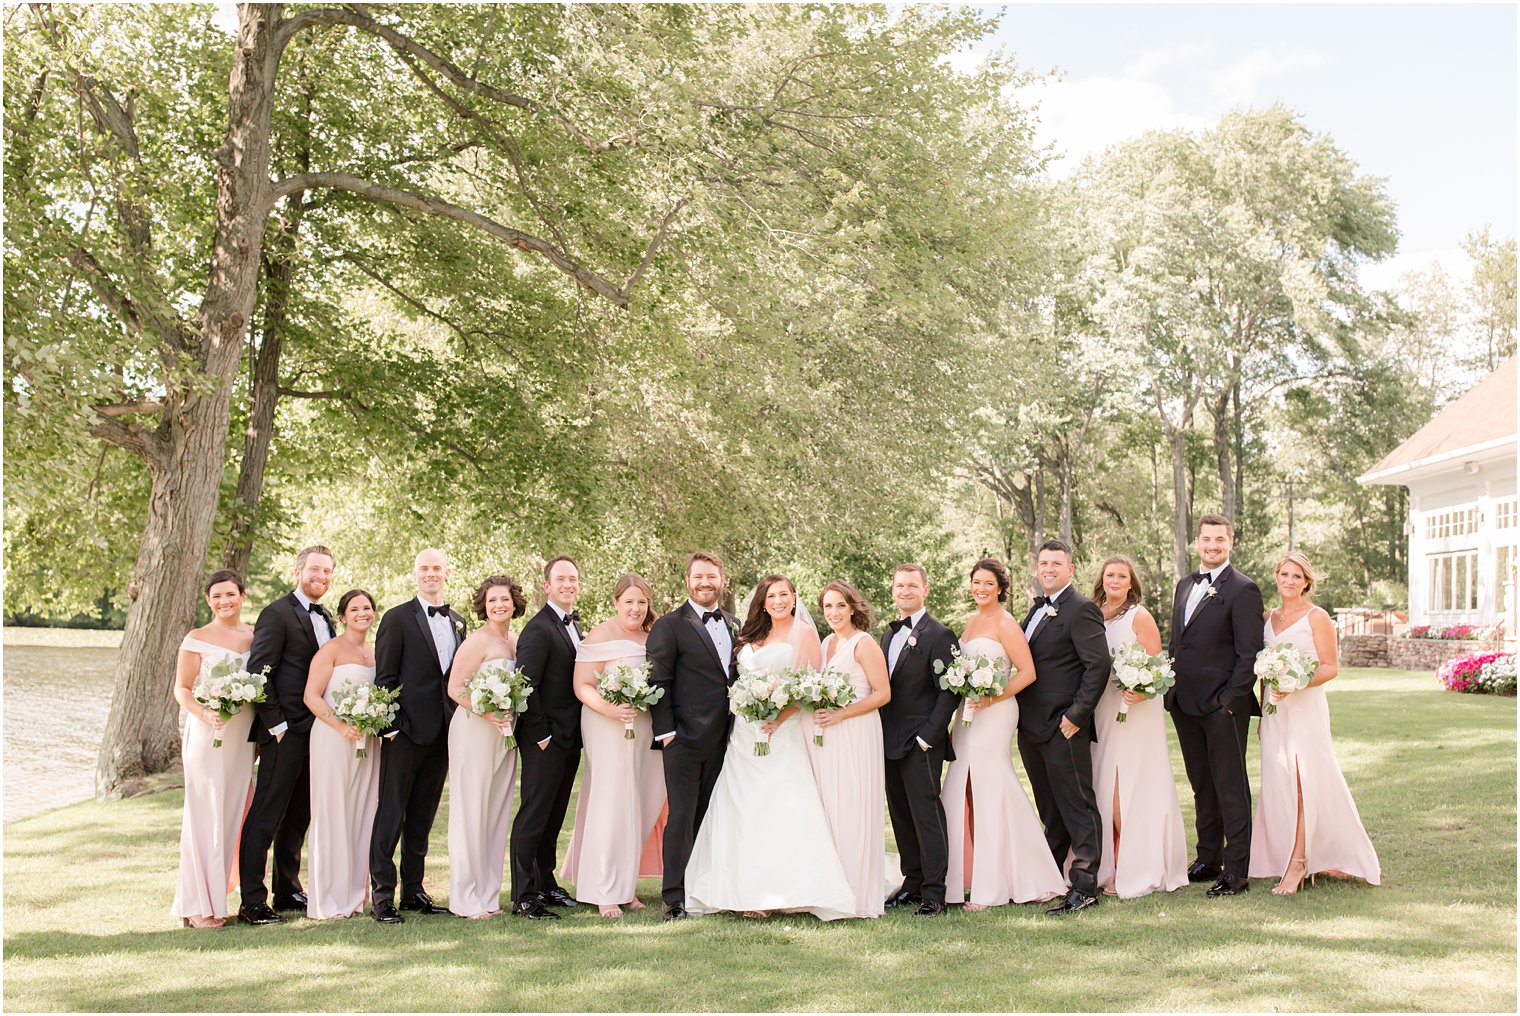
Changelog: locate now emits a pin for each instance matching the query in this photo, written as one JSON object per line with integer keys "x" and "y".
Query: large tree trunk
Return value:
{"x": 1221, "y": 413}
{"x": 186, "y": 452}
{"x": 1181, "y": 523}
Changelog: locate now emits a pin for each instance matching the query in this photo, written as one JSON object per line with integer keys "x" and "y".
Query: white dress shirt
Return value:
{"x": 900, "y": 638}
{"x": 1198, "y": 593}
{"x": 1039, "y": 615}
{"x": 571, "y": 629}
{"x": 442, "y": 627}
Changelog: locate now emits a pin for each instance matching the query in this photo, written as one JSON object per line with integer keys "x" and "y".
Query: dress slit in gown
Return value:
{"x": 1131, "y": 763}
{"x": 345, "y": 792}
{"x": 218, "y": 785}
{"x": 1298, "y": 757}
{"x": 1007, "y": 859}
{"x": 620, "y": 813}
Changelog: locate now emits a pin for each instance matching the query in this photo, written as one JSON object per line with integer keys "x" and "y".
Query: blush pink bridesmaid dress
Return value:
{"x": 344, "y": 794}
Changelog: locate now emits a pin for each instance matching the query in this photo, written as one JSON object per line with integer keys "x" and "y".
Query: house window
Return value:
{"x": 1452, "y": 522}
{"x": 1454, "y": 581}
{"x": 1505, "y": 514}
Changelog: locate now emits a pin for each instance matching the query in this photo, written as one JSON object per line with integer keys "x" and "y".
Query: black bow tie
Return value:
{"x": 1200, "y": 576}
{"x": 901, "y": 622}
{"x": 442, "y": 608}
{"x": 711, "y": 615}
{"x": 1044, "y": 601}
{"x": 574, "y": 617}
{"x": 316, "y": 608}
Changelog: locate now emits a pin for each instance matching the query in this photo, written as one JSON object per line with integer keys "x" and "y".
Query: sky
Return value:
{"x": 1423, "y": 95}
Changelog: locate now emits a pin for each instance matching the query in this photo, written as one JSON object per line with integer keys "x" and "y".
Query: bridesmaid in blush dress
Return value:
{"x": 847, "y": 766}
{"x": 482, "y": 769}
{"x": 217, "y": 780}
{"x": 616, "y": 839}
{"x": 1132, "y": 766}
{"x": 345, "y": 789}
{"x": 1306, "y": 822}
{"x": 997, "y": 847}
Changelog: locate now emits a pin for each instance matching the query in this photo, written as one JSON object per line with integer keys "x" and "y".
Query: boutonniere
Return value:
{"x": 459, "y": 626}
{"x": 733, "y": 630}
{"x": 1050, "y": 610}
{"x": 912, "y": 640}
{"x": 1209, "y": 590}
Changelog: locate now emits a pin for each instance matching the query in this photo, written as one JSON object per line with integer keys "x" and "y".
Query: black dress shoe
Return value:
{"x": 1229, "y": 885}
{"x": 929, "y": 908}
{"x": 295, "y": 901}
{"x": 1201, "y": 872}
{"x": 422, "y": 903}
{"x": 1073, "y": 901}
{"x": 534, "y": 910}
{"x": 557, "y": 897}
{"x": 903, "y": 898}
{"x": 672, "y": 913}
{"x": 259, "y": 913}
{"x": 385, "y": 913}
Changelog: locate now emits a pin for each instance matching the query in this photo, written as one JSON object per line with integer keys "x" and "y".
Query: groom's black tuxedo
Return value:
{"x": 284, "y": 640}
{"x": 546, "y": 653}
{"x": 919, "y": 710}
{"x": 684, "y": 661}
{"x": 1071, "y": 668}
{"x": 415, "y": 761}
{"x": 1214, "y": 656}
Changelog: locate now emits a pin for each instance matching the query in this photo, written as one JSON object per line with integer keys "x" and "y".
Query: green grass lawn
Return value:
{"x": 88, "y": 888}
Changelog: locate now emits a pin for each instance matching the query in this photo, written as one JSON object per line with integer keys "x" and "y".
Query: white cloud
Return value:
{"x": 1153, "y": 60}
{"x": 1085, "y": 116}
{"x": 1239, "y": 84}
{"x": 1385, "y": 275}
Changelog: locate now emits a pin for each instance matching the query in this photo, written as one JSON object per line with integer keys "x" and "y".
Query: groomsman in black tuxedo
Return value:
{"x": 916, "y": 742}
{"x": 413, "y": 651}
{"x": 692, "y": 655}
{"x": 1217, "y": 630}
{"x": 286, "y": 636}
{"x": 549, "y": 742}
{"x": 1056, "y": 730}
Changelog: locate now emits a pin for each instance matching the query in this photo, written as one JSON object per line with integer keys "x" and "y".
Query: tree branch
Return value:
{"x": 129, "y": 436}
{"x": 444, "y": 210}
{"x": 129, "y": 408}
{"x": 654, "y": 245}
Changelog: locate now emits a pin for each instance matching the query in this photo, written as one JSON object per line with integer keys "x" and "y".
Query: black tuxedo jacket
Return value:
{"x": 1071, "y": 666}
{"x": 406, "y": 657}
{"x": 284, "y": 641}
{"x": 684, "y": 661}
{"x": 546, "y": 653}
{"x": 919, "y": 708}
{"x": 1214, "y": 655}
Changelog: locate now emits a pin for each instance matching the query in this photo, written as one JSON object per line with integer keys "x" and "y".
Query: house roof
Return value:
{"x": 1482, "y": 419}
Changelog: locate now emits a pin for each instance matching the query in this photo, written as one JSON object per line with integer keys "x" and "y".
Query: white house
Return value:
{"x": 1463, "y": 525}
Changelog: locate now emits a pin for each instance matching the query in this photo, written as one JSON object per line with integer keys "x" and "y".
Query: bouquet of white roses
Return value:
{"x": 227, "y": 687}
{"x": 1284, "y": 669}
{"x": 973, "y": 678}
{"x": 499, "y": 687}
{"x": 624, "y": 684}
{"x": 367, "y": 708}
{"x": 820, "y": 689}
{"x": 1138, "y": 671}
{"x": 759, "y": 696}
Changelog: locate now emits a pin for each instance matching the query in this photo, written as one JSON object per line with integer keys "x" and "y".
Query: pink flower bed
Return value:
{"x": 1457, "y": 632}
{"x": 1479, "y": 674}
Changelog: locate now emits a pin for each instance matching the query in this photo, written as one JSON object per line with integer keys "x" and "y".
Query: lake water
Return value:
{"x": 57, "y": 693}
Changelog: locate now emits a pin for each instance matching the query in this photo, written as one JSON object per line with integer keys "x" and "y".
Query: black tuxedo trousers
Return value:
{"x": 279, "y": 815}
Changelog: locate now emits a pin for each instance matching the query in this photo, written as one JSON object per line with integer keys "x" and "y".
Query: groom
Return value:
{"x": 691, "y": 653}
{"x": 1217, "y": 631}
{"x": 286, "y": 636}
{"x": 916, "y": 742}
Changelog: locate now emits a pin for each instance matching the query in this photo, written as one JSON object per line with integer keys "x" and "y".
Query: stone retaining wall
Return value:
{"x": 1407, "y": 654}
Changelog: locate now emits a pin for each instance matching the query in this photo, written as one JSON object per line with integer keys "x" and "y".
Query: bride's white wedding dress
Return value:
{"x": 764, "y": 843}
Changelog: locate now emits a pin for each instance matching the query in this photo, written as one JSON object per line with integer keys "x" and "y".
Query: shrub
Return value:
{"x": 1479, "y": 674}
{"x": 1457, "y": 632}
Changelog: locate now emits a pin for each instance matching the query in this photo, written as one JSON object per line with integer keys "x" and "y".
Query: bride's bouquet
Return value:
{"x": 367, "y": 708}
{"x": 627, "y": 685}
{"x": 1138, "y": 671}
{"x": 1284, "y": 669}
{"x": 227, "y": 687}
{"x": 759, "y": 696}
{"x": 820, "y": 689}
{"x": 971, "y": 677}
{"x": 499, "y": 687}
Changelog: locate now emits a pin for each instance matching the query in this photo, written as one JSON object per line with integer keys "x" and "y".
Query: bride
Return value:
{"x": 764, "y": 844}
